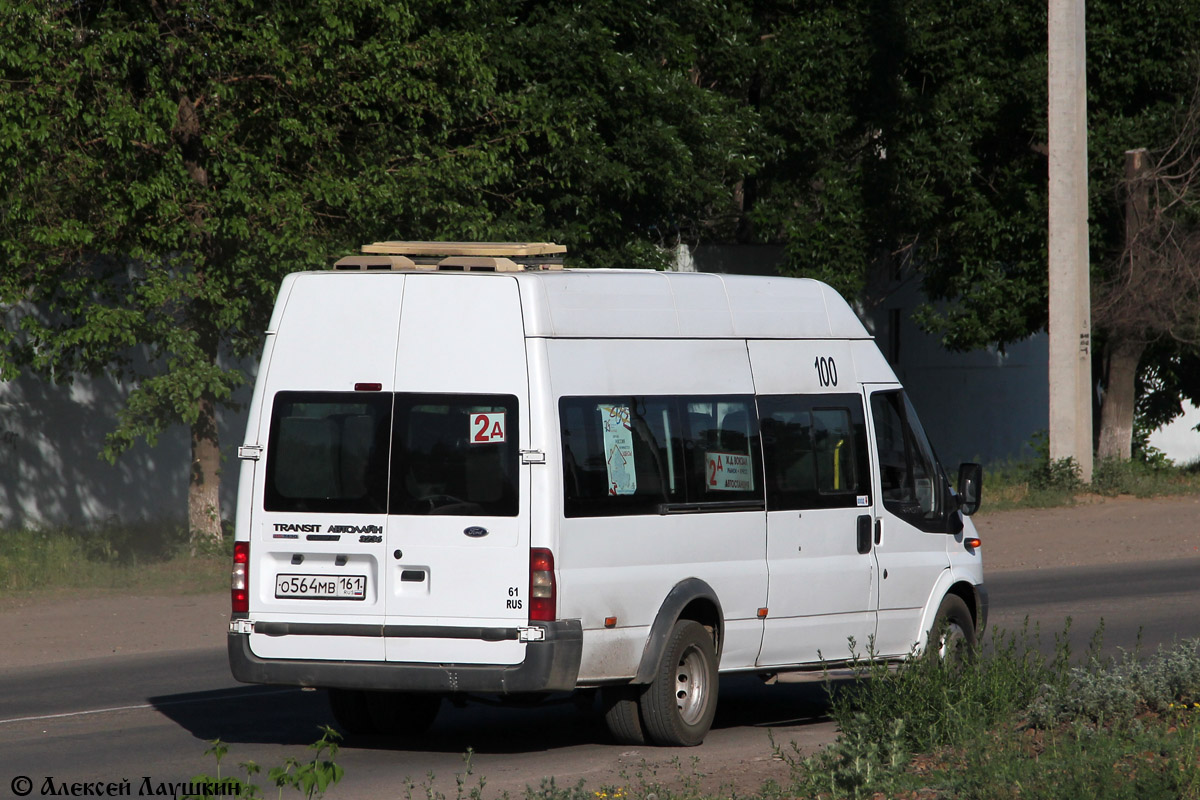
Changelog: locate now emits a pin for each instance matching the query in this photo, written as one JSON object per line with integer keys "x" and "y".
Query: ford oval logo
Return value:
{"x": 476, "y": 532}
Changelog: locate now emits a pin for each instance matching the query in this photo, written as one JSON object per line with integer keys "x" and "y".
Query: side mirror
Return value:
{"x": 970, "y": 488}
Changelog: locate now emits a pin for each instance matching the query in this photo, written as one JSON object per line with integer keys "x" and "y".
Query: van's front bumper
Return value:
{"x": 550, "y": 665}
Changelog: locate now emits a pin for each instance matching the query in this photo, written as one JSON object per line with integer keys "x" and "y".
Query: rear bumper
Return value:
{"x": 550, "y": 665}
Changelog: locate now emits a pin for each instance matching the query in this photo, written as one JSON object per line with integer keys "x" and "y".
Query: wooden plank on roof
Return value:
{"x": 483, "y": 249}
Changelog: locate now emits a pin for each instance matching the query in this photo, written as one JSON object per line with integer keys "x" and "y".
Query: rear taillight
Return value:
{"x": 239, "y": 580}
{"x": 542, "y": 591}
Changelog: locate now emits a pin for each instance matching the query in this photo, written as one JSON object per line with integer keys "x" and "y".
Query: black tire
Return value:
{"x": 350, "y": 712}
{"x": 388, "y": 713}
{"x": 953, "y": 634}
{"x": 679, "y": 704}
{"x": 620, "y": 705}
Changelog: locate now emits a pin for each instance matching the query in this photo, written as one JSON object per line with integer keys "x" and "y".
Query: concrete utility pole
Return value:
{"x": 1070, "y": 295}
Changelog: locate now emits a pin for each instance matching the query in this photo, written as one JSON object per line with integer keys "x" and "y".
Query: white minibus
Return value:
{"x": 469, "y": 471}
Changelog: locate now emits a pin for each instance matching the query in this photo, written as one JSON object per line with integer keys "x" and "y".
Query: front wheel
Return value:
{"x": 678, "y": 705}
{"x": 952, "y": 637}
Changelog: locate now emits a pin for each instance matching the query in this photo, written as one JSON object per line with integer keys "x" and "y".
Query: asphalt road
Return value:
{"x": 1143, "y": 604}
{"x": 150, "y": 716}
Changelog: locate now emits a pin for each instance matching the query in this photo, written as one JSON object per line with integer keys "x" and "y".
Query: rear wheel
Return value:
{"x": 390, "y": 713}
{"x": 621, "y": 713}
{"x": 349, "y": 707}
{"x": 678, "y": 705}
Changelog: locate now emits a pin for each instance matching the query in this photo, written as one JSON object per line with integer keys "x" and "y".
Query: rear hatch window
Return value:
{"x": 328, "y": 452}
{"x": 455, "y": 454}
{"x": 339, "y": 452}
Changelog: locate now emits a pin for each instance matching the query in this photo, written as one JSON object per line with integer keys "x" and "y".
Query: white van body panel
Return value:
{"x": 869, "y": 364}
{"x": 545, "y": 482}
{"x": 324, "y": 315}
{"x": 649, "y": 366}
{"x": 776, "y": 308}
{"x": 912, "y": 559}
{"x": 303, "y": 357}
{"x": 967, "y": 570}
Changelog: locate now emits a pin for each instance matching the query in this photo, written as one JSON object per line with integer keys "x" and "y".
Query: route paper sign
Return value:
{"x": 618, "y": 448}
{"x": 729, "y": 472}
{"x": 487, "y": 428}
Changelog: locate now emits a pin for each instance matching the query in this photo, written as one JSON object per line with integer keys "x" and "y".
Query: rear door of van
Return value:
{"x": 457, "y": 555}
{"x": 317, "y": 578}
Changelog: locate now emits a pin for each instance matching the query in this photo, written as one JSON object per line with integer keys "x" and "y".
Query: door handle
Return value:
{"x": 878, "y": 532}
{"x": 864, "y": 534}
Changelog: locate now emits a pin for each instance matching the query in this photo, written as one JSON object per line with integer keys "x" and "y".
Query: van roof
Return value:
{"x": 618, "y": 303}
{"x": 637, "y": 303}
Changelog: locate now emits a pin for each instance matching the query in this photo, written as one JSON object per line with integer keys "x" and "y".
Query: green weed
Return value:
{"x": 1115, "y": 691}
{"x": 1012, "y": 720}
{"x": 311, "y": 777}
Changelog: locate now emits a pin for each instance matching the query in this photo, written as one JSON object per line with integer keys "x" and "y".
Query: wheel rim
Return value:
{"x": 953, "y": 637}
{"x": 691, "y": 685}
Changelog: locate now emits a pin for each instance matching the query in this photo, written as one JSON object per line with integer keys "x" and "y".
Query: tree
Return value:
{"x": 163, "y": 164}
{"x": 908, "y": 137}
{"x": 1152, "y": 292}
{"x": 1142, "y": 74}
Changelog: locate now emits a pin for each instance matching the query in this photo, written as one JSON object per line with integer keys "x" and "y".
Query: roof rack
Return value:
{"x": 456, "y": 256}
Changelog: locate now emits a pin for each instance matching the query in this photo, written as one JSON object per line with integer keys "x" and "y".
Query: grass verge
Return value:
{"x": 1014, "y": 723}
{"x": 146, "y": 557}
{"x": 1041, "y": 483}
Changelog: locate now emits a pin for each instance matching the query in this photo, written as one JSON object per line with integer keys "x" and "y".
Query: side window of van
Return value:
{"x": 721, "y": 445}
{"x": 911, "y": 480}
{"x": 814, "y": 451}
{"x": 649, "y": 455}
{"x": 455, "y": 454}
{"x": 328, "y": 452}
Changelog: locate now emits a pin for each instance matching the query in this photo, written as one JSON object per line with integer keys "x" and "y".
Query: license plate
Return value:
{"x": 321, "y": 587}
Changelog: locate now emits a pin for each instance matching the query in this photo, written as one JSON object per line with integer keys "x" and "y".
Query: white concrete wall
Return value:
{"x": 51, "y": 473}
{"x": 1180, "y": 440}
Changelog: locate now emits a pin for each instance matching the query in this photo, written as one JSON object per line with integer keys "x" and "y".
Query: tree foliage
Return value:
{"x": 164, "y": 162}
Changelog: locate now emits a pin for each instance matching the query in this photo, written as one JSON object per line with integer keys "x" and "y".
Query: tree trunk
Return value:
{"x": 1116, "y": 411}
{"x": 204, "y": 484}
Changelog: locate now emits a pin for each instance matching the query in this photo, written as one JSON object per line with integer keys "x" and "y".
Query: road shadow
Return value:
{"x": 292, "y": 716}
